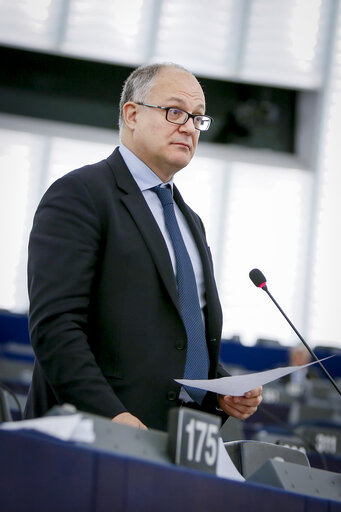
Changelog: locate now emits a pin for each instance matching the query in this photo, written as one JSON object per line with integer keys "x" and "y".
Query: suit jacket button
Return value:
{"x": 172, "y": 395}
{"x": 180, "y": 344}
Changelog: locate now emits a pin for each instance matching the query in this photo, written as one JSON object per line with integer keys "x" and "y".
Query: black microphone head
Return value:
{"x": 258, "y": 278}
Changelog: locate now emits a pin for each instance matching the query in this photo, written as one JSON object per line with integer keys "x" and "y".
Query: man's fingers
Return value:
{"x": 254, "y": 392}
{"x": 128, "y": 419}
{"x": 243, "y": 401}
{"x": 241, "y": 407}
{"x": 240, "y": 412}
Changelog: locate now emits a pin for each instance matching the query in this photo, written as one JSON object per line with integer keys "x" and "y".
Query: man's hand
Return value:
{"x": 128, "y": 419}
{"x": 241, "y": 407}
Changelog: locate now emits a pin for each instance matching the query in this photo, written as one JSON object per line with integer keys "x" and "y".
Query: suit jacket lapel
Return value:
{"x": 212, "y": 299}
{"x": 198, "y": 235}
{"x": 136, "y": 205}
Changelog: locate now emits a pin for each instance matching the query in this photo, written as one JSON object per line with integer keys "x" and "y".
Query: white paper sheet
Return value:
{"x": 71, "y": 427}
{"x": 225, "y": 467}
{"x": 237, "y": 385}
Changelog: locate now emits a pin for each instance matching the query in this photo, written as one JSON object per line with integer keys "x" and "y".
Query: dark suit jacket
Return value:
{"x": 104, "y": 315}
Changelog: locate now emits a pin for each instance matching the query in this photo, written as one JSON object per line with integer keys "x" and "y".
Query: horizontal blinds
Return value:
{"x": 200, "y": 35}
{"x": 113, "y": 30}
{"x": 267, "y": 41}
{"x": 30, "y": 23}
{"x": 286, "y": 42}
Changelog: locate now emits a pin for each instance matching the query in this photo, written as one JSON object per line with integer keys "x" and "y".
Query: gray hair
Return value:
{"x": 139, "y": 84}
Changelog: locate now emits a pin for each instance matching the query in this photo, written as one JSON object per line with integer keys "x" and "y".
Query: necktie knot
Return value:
{"x": 164, "y": 194}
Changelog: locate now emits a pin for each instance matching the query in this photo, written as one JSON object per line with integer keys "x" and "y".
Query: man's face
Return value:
{"x": 165, "y": 147}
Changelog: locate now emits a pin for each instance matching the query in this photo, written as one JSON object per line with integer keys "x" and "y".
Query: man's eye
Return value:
{"x": 176, "y": 112}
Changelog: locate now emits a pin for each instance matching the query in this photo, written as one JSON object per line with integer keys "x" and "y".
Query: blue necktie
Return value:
{"x": 197, "y": 359}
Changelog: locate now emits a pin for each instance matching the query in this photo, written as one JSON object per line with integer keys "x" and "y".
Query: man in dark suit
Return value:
{"x": 105, "y": 320}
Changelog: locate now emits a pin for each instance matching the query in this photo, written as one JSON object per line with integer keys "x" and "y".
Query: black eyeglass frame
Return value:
{"x": 189, "y": 116}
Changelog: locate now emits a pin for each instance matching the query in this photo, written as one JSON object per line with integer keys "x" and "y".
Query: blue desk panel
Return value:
{"x": 38, "y": 473}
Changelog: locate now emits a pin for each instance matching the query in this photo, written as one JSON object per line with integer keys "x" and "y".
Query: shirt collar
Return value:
{"x": 142, "y": 174}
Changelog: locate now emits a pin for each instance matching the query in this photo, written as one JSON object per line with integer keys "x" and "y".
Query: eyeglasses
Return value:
{"x": 178, "y": 116}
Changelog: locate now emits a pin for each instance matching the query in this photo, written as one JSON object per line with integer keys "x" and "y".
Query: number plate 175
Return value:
{"x": 193, "y": 438}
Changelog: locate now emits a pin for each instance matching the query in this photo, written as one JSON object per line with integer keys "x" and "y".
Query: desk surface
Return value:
{"x": 39, "y": 473}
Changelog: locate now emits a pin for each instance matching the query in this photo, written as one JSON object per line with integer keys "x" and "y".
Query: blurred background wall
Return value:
{"x": 266, "y": 178}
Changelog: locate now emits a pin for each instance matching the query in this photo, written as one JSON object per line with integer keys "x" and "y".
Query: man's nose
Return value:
{"x": 188, "y": 127}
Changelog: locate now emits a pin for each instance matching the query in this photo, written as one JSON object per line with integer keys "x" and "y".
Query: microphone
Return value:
{"x": 259, "y": 280}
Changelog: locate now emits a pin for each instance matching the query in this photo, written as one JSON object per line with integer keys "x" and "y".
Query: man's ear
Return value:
{"x": 130, "y": 110}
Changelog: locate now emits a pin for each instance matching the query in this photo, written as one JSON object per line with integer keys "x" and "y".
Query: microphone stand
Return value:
{"x": 265, "y": 288}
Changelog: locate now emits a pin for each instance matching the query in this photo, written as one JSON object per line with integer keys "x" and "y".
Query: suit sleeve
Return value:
{"x": 63, "y": 256}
